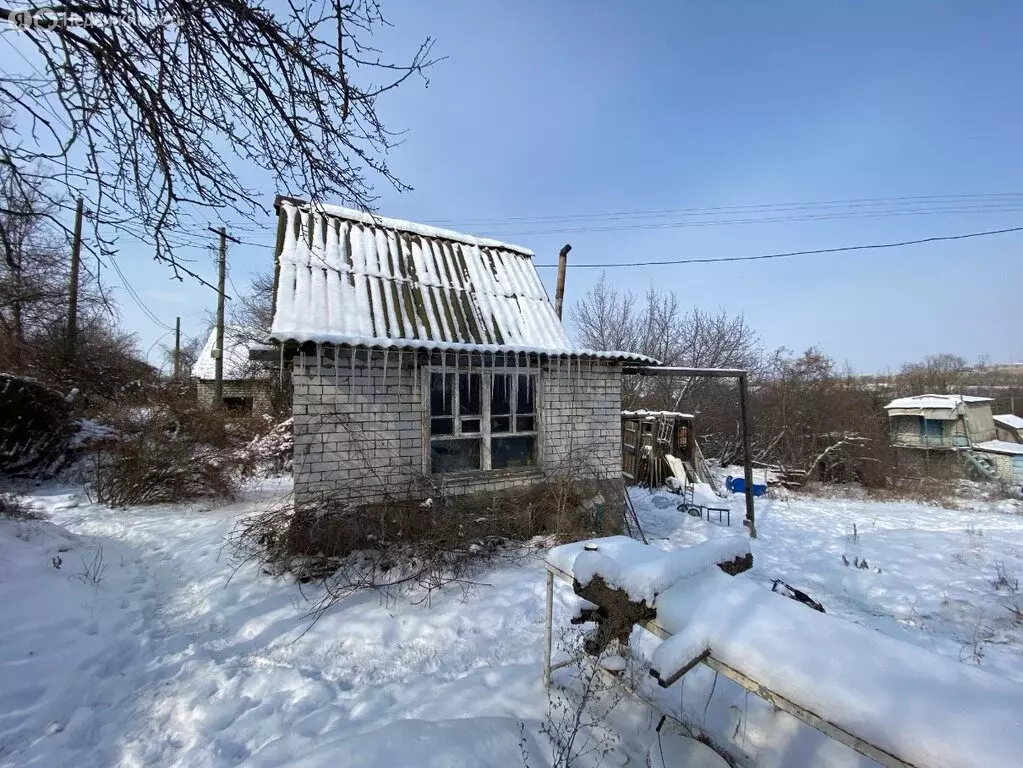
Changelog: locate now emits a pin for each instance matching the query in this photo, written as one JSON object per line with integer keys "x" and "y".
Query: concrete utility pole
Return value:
{"x": 72, "y": 307}
{"x": 218, "y": 379}
{"x": 177, "y": 348}
{"x": 559, "y": 293}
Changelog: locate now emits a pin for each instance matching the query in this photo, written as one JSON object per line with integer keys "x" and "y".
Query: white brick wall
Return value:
{"x": 360, "y": 437}
{"x": 258, "y": 390}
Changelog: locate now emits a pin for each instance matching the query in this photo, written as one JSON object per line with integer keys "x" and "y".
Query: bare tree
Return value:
{"x": 154, "y": 116}
{"x": 942, "y": 373}
{"x": 664, "y": 329}
{"x": 33, "y": 301}
{"x": 253, "y": 312}
{"x": 605, "y": 318}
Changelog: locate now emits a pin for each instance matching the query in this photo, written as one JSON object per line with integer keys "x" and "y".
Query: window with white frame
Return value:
{"x": 481, "y": 420}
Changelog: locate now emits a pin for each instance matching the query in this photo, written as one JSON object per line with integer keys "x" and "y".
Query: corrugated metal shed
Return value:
{"x": 348, "y": 277}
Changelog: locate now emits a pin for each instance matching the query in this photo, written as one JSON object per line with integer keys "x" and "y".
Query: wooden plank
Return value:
{"x": 667, "y": 682}
{"x": 826, "y": 727}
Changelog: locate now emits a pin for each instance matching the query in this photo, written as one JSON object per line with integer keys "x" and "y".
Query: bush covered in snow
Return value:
{"x": 272, "y": 452}
{"x": 170, "y": 450}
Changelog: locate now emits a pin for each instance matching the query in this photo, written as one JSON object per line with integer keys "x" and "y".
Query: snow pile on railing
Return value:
{"x": 923, "y": 708}
{"x": 640, "y": 570}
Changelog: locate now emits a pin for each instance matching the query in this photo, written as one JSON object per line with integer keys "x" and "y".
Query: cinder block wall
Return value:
{"x": 582, "y": 417}
{"x": 359, "y": 434}
{"x": 259, "y": 391}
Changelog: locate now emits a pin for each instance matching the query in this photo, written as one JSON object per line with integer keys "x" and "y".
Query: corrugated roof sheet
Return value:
{"x": 348, "y": 277}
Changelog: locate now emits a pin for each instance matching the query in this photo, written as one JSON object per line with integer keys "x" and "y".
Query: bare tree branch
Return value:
{"x": 154, "y": 116}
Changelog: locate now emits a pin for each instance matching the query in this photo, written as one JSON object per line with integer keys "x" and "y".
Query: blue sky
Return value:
{"x": 555, "y": 109}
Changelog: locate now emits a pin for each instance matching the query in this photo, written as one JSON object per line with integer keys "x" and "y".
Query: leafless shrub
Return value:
{"x": 416, "y": 546}
{"x": 169, "y": 450}
{"x": 1004, "y": 580}
{"x": 12, "y": 508}
{"x": 578, "y": 713}
{"x": 975, "y": 645}
{"x": 94, "y": 570}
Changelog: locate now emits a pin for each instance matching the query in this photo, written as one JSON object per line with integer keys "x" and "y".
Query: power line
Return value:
{"x": 915, "y": 200}
{"x": 136, "y": 298}
{"x": 770, "y": 220}
{"x": 720, "y": 259}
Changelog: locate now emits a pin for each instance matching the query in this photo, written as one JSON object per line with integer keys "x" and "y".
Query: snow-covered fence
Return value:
{"x": 896, "y": 703}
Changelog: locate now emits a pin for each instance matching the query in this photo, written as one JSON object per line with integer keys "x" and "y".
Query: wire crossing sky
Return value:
{"x": 701, "y": 145}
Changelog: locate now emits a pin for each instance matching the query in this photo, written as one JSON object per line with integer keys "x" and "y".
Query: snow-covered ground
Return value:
{"x": 164, "y": 652}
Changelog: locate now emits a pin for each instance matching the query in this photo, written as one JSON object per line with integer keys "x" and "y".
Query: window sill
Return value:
{"x": 473, "y": 476}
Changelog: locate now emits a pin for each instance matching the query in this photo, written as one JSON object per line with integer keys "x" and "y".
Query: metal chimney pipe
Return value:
{"x": 559, "y": 293}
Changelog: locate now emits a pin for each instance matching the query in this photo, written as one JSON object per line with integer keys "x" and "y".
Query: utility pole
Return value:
{"x": 72, "y": 308}
{"x": 747, "y": 453}
{"x": 177, "y": 348}
{"x": 218, "y": 375}
{"x": 559, "y": 293}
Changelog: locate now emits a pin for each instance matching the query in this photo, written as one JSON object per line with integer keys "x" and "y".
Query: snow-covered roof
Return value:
{"x": 935, "y": 401}
{"x": 1010, "y": 420}
{"x": 643, "y": 414}
{"x": 348, "y": 277}
{"x": 1000, "y": 446}
{"x": 237, "y": 340}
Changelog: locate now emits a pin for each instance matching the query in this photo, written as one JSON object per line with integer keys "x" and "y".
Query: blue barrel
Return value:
{"x": 738, "y": 485}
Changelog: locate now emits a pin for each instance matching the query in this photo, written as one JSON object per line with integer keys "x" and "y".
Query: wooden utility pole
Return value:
{"x": 72, "y": 307}
{"x": 218, "y": 376}
{"x": 559, "y": 293}
{"x": 177, "y": 348}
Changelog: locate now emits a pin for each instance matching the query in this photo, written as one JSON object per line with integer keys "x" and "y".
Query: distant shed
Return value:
{"x": 939, "y": 422}
{"x": 1008, "y": 427}
{"x": 246, "y": 386}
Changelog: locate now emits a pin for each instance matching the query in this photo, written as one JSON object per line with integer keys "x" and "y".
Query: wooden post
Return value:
{"x": 747, "y": 454}
{"x": 72, "y": 307}
{"x": 218, "y": 369}
{"x": 548, "y": 630}
{"x": 177, "y": 348}
{"x": 559, "y": 293}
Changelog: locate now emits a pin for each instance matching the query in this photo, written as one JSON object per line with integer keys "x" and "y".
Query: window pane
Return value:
{"x": 500, "y": 424}
{"x": 469, "y": 401}
{"x": 512, "y": 451}
{"x": 525, "y": 423}
{"x": 441, "y": 395}
{"x": 500, "y": 395}
{"x": 470, "y": 426}
{"x": 526, "y": 400}
{"x": 444, "y": 426}
{"x": 454, "y": 455}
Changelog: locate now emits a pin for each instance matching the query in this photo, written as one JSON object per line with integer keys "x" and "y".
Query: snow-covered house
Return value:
{"x": 940, "y": 422}
{"x": 428, "y": 361}
{"x": 246, "y": 388}
{"x": 1008, "y": 427}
